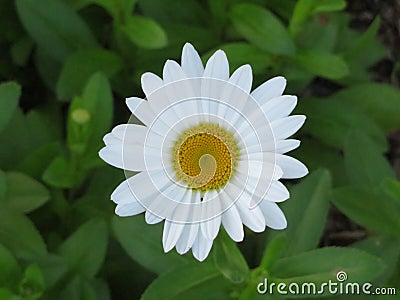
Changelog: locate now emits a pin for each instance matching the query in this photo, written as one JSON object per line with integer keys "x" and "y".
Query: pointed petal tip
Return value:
{"x": 188, "y": 45}
{"x": 102, "y": 153}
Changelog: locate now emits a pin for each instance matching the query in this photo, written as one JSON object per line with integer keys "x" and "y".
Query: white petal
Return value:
{"x": 123, "y": 194}
{"x": 211, "y": 203}
{"x": 274, "y": 217}
{"x": 172, "y": 232}
{"x": 141, "y": 109}
{"x": 217, "y": 66}
{"x": 172, "y": 229}
{"x": 201, "y": 247}
{"x": 190, "y": 231}
{"x": 270, "y": 89}
{"x": 242, "y": 78}
{"x": 150, "y": 83}
{"x": 191, "y": 62}
{"x": 110, "y": 139}
{"x": 277, "y": 192}
{"x": 188, "y": 237}
{"x": 279, "y": 107}
{"x": 252, "y": 218}
{"x": 233, "y": 223}
{"x": 283, "y": 146}
{"x": 129, "y": 209}
{"x": 291, "y": 167}
{"x": 127, "y": 157}
{"x": 130, "y": 133}
{"x": 152, "y": 218}
{"x": 139, "y": 187}
{"x": 172, "y": 72}
{"x": 285, "y": 127}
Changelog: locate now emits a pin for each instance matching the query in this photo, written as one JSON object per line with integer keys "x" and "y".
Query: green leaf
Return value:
{"x": 328, "y": 157}
{"x": 191, "y": 12}
{"x": 9, "y": 96}
{"x": 189, "y": 282}
{"x": 7, "y": 294}
{"x": 48, "y": 67}
{"x": 229, "y": 260}
{"x": 317, "y": 29}
{"x": 379, "y": 101}
{"x": 244, "y": 53}
{"x": 81, "y": 65}
{"x": 274, "y": 250}
{"x": 323, "y": 64}
{"x": 121, "y": 7}
{"x": 77, "y": 288}
{"x": 332, "y": 120}
{"x": 24, "y": 194}
{"x": 85, "y": 249}
{"x": 391, "y": 187}
{"x": 19, "y": 235}
{"x": 365, "y": 165}
{"x": 21, "y": 50}
{"x": 262, "y": 28}
{"x": 364, "y": 39}
{"x": 53, "y": 268}
{"x": 32, "y": 284}
{"x": 60, "y": 173}
{"x": 10, "y": 270}
{"x": 3, "y": 185}
{"x": 304, "y": 9}
{"x": 111, "y": 6}
{"x": 142, "y": 242}
{"x": 144, "y": 32}
{"x": 90, "y": 115}
{"x": 18, "y": 140}
{"x": 329, "y": 5}
{"x": 53, "y": 25}
{"x": 37, "y": 162}
{"x": 370, "y": 209}
{"x": 307, "y": 210}
{"x": 321, "y": 265}
{"x": 385, "y": 247}
{"x": 45, "y": 124}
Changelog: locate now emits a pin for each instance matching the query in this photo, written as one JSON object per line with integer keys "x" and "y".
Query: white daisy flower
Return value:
{"x": 210, "y": 152}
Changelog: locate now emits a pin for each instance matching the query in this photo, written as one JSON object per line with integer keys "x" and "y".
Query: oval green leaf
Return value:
{"x": 365, "y": 164}
{"x": 323, "y": 64}
{"x": 145, "y": 32}
{"x": 19, "y": 235}
{"x": 9, "y": 96}
{"x": 85, "y": 249}
{"x": 323, "y": 264}
{"x": 53, "y": 25}
{"x": 24, "y": 194}
{"x": 331, "y": 121}
{"x": 371, "y": 209}
{"x": 262, "y": 28}
{"x": 189, "y": 282}
{"x": 229, "y": 260}
{"x": 142, "y": 242}
{"x": 379, "y": 101}
{"x": 307, "y": 210}
{"x": 81, "y": 65}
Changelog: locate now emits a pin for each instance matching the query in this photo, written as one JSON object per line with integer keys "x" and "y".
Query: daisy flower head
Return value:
{"x": 210, "y": 152}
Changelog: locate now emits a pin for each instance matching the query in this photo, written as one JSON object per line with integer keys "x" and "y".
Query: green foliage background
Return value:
{"x": 66, "y": 68}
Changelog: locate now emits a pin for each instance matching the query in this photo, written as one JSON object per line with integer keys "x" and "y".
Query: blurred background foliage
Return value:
{"x": 66, "y": 67}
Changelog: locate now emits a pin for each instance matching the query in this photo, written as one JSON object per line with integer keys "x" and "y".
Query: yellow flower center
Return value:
{"x": 204, "y": 156}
